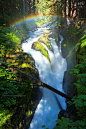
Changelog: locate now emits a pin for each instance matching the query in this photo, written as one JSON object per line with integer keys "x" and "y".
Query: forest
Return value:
{"x": 17, "y": 93}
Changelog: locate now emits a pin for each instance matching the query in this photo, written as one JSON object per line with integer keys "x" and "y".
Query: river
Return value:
{"x": 48, "y": 107}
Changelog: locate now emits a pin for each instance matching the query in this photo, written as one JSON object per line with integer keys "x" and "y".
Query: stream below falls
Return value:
{"x": 48, "y": 107}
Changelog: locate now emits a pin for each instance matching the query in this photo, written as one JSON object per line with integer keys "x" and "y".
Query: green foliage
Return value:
{"x": 8, "y": 41}
{"x": 21, "y": 31}
{"x": 81, "y": 50}
{"x": 4, "y": 116}
{"x": 79, "y": 72}
{"x": 67, "y": 124}
{"x": 43, "y": 126}
{"x": 39, "y": 22}
{"x": 42, "y": 7}
{"x": 13, "y": 88}
{"x": 8, "y": 86}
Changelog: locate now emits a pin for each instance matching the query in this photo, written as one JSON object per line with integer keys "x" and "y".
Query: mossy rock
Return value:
{"x": 38, "y": 46}
{"x": 46, "y": 41}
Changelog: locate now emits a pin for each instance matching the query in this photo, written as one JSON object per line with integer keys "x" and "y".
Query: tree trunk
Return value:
{"x": 33, "y": 6}
{"x": 3, "y": 14}
{"x": 29, "y": 6}
{"x": 65, "y": 8}
{"x": 77, "y": 14}
{"x": 69, "y": 7}
{"x": 26, "y": 7}
{"x": 67, "y": 12}
{"x": 71, "y": 11}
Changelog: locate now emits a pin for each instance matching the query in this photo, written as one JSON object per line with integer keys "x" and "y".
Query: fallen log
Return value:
{"x": 36, "y": 81}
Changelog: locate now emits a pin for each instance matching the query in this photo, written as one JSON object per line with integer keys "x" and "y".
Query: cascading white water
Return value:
{"x": 48, "y": 107}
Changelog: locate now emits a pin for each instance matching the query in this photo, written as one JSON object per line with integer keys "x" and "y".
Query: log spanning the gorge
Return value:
{"x": 40, "y": 83}
{"x": 36, "y": 81}
{"x": 54, "y": 90}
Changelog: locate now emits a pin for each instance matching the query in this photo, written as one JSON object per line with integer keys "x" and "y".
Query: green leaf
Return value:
{"x": 43, "y": 126}
{"x": 82, "y": 97}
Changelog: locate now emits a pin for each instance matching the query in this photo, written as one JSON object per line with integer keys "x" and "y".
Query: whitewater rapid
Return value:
{"x": 48, "y": 107}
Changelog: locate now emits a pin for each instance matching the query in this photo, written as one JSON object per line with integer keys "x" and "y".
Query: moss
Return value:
{"x": 38, "y": 46}
{"x": 46, "y": 41}
{"x": 81, "y": 49}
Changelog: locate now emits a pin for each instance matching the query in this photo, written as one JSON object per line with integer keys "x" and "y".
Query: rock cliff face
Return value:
{"x": 69, "y": 53}
{"x": 68, "y": 79}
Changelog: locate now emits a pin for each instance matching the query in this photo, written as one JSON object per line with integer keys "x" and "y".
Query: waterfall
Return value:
{"x": 48, "y": 107}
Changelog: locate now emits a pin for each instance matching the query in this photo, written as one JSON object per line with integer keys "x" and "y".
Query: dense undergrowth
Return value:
{"x": 15, "y": 90}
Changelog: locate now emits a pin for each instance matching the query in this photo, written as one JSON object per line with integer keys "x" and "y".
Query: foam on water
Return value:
{"x": 48, "y": 107}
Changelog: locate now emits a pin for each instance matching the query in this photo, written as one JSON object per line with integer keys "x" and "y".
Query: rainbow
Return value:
{"x": 27, "y": 18}
{"x": 30, "y": 17}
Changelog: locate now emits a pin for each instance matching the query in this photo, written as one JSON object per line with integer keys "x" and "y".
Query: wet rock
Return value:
{"x": 63, "y": 113}
{"x": 39, "y": 47}
{"x": 33, "y": 30}
{"x": 55, "y": 35}
{"x": 71, "y": 115}
{"x": 68, "y": 80}
{"x": 46, "y": 41}
{"x": 46, "y": 31}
